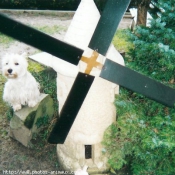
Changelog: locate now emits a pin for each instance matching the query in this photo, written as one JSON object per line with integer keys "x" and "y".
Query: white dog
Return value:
{"x": 21, "y": 87}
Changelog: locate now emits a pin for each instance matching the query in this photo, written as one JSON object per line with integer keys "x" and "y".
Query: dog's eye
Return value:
{"x": 16, "y": 64}
{"x": 6, "y": 63}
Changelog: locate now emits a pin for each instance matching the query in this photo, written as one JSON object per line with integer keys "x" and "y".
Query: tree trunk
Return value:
{"x": 142, "y": 9}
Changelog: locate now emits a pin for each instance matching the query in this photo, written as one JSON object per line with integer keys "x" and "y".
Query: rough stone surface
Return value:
{"x": 22, "y": 124}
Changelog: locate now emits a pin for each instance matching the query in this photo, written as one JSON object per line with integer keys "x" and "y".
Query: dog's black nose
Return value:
{"x": 9, "y": 71}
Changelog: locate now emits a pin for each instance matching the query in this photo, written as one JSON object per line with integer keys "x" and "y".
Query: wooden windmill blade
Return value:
{"x": 100, "y": 42}
{"x": 136, "y": 82}
{"x": 71, "y": 108}
{"x": 40, "y": 40}
{"x": 107, "y": 25}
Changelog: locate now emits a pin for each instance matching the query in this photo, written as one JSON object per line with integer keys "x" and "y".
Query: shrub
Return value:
{"x": 143, "y": 135}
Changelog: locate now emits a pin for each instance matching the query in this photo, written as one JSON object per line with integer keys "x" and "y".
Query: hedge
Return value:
{"x": 46, "y": 4}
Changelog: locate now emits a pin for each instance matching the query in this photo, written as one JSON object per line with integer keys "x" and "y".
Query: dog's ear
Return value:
{"x": 24, "y": 54}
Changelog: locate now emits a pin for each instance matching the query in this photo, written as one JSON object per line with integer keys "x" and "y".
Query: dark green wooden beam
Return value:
{"x": 40, "y": 40}
{"x": 139, "y": 83}
{"x": 71, "y": 108}
{"x": 107, "y": 25}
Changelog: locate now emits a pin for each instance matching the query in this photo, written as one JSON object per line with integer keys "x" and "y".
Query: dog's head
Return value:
{"x": 14, "y": 65}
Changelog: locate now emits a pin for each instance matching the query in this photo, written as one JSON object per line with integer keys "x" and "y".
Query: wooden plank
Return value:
{"x": 139, "y": 83}
{"x": 71, "y": 107}
{"x": 40, "y": 40}
{"x": 107, "y": 25}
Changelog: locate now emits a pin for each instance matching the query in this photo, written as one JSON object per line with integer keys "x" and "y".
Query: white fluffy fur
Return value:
{"x": 82, "y": 171}
{"x": 21, "y": 87}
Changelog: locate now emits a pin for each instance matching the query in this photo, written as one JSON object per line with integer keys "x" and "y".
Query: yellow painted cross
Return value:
{"x": 91, "y": 62}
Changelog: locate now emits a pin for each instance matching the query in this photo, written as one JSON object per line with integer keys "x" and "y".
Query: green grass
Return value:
{"x": 121, "y": 42}
{"x": 5, "y": 40}
{"x": 3, "y": 111}
{"x": 50, "y": 30}
{"x": 3, "y": 106}
{"x": 34, "y": 66}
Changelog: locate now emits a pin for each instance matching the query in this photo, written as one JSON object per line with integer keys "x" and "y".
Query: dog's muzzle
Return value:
{"x": 9, "y": 74}
{"x": 9, "y": 71}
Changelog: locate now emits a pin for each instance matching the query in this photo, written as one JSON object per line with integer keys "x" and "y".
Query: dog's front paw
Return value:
{"x": 16, "y": 107}
{"x": 32, "y": 103}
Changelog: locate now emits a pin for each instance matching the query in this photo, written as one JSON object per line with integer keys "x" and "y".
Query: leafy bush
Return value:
{"x": 144, "y": 133}
{"x": 47, "y": 80}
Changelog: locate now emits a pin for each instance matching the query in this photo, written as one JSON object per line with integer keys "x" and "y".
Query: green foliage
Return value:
{"x": 167, "y": 12}
{"x": 47, "y": 80}
{"x": 157, "y": 44}
{"x": 42, "y": 121}
{"x": 9, "y": 113}
{"x": 120, "y": 40}
{"x": 39, "y": 140}
{"x": 3, "y": 106}
{"x": 30, "y": 120}
{"x": 144, "y": 133}
{"x": 51, "y": 29}
{"x": 5, "y": 39}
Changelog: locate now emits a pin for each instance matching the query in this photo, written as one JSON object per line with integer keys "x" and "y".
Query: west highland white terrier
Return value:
{"x": 21, "y": 87}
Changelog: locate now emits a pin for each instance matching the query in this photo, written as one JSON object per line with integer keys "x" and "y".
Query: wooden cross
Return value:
{"x": 91, "y": 62}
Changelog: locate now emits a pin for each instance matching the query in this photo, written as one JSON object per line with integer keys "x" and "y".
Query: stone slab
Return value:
{"x": 23, "y": 122}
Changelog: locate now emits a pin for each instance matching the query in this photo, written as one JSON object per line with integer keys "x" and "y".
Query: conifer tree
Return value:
{"x": 142, "y": 9}
{"x": 144, "y": 133}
